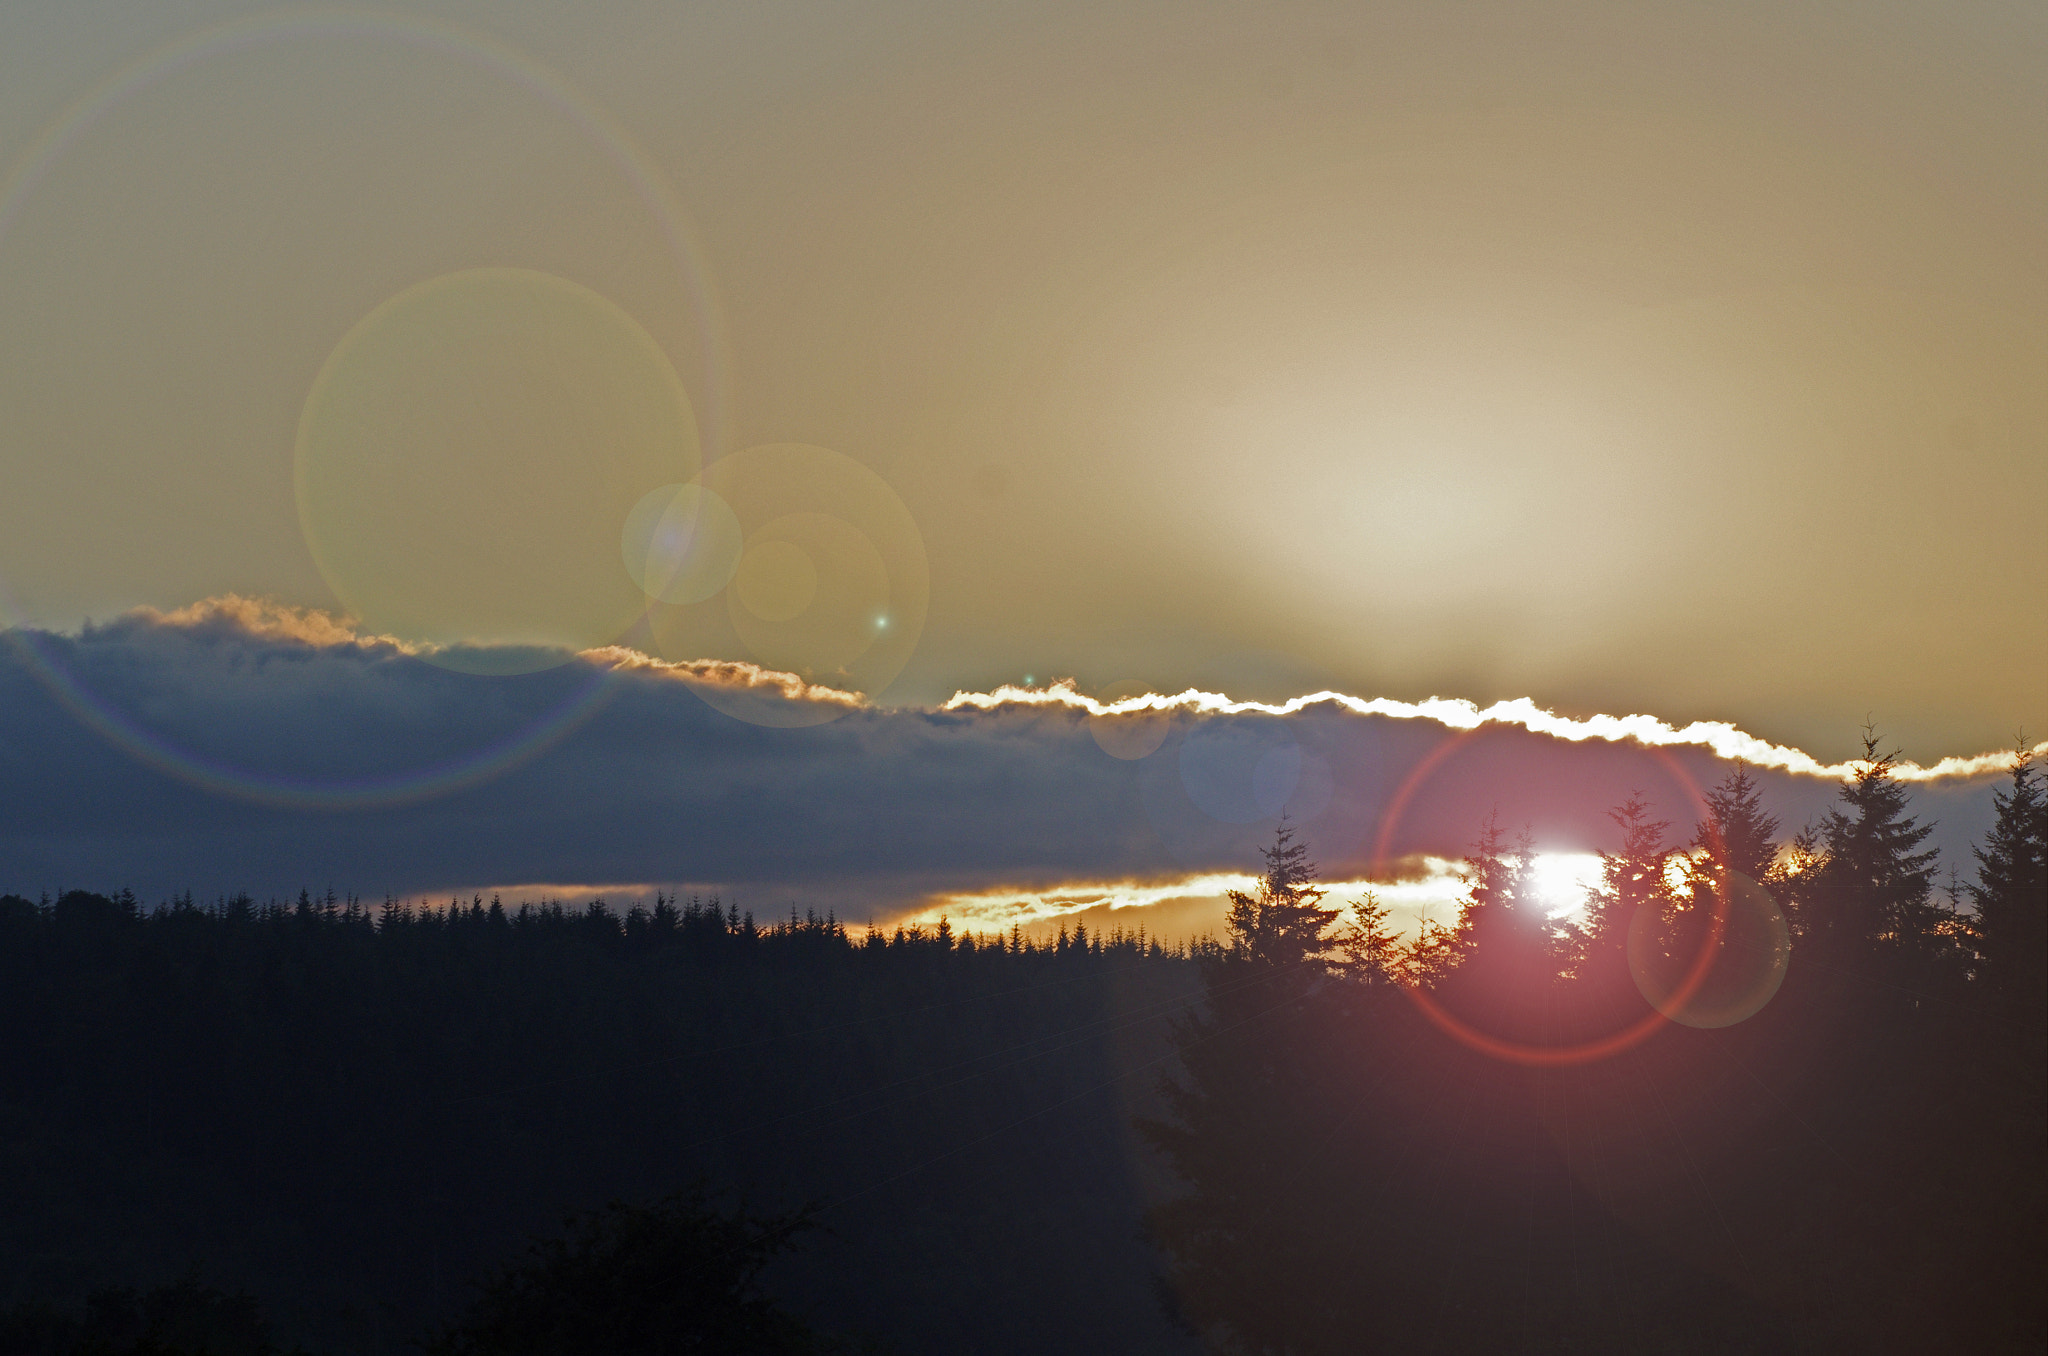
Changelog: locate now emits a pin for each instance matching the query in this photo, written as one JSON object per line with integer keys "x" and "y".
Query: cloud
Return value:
{"x": 266, "y": 619}
{"x": 241, "y": 745}
{"x": 1724, "y": 740}
{"x": 1429, "y": 888}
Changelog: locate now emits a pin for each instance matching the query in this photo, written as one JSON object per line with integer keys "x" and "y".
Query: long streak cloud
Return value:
{"x": 1718, "y": 737}
{"x": 261, "y": 617}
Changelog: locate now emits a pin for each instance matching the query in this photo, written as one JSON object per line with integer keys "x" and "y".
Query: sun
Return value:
{"x": 1562, "y": 881}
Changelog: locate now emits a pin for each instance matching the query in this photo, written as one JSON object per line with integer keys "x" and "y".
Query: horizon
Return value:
{"x": 1178, "y": 903}
{"x": 1136, "y": 677}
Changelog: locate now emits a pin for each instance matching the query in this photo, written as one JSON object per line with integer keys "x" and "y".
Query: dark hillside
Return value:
{"x": 349, "y": 1112}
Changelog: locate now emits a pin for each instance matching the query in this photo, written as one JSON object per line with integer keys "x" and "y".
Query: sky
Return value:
{"x": 1677, "y": 360}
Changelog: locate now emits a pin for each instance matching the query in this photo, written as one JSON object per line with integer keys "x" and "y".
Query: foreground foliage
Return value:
{"x": 679, "y": 1276}
{"x": 181, "y": 1318}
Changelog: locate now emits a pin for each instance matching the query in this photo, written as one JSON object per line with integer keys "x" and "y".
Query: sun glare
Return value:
{"x": 1562, "y": 880}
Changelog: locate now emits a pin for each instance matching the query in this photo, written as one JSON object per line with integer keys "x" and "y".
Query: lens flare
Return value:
{"x": 831, "y": 585}
{"x": 216, "y": 755}
{"x": 468, "y": 453}
{"x": 1240, "y": 773}
{"x": 807, "y": 593}
{"x": 1690, "y": 978}
{"x": 1129, "y": 729}
{"x": 777, "y": 580}
{"x": 681, "y": 544}
{"x": 1745, "y": 957}
{"x": 53, "y": 658}
{"x": 602, "y": 132}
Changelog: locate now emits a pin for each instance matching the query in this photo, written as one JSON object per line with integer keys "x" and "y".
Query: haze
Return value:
{"x": 1684, "y": 359}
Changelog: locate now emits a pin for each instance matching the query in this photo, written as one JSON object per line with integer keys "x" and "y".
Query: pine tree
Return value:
{"x": 1870, "y": 893}
{"x": 1368, "y": 950}
{"x": 1246, "y": 1112}
{"x": 1736, "y": 834}
{"x": 1283, "y": 923}
{"x": 1509, "y": 954}
{"x": 1494, "y": 873}
{"x": 1630, "y": 878}
{"x": 2011, "y": 895}
{"x": 1633, "y": 880}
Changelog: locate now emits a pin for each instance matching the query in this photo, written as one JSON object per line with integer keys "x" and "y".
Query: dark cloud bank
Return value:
{"x": 216, "y": 756}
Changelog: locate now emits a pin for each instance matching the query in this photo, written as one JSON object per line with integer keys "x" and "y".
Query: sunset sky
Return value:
{"x": 1678, "y": 359}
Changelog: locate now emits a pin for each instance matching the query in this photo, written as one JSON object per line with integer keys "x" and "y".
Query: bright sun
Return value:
{"x": 1562, "y": 881}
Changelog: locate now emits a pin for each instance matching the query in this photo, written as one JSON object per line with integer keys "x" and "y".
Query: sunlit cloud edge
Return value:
{"x": 270, "y": 619}
{"x": 1718, "y": 737}
{"x": 1423, "y": 887}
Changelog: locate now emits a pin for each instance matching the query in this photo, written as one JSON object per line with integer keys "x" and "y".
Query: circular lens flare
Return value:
{"x": 777, "y": 580}
{"x": 831, "y": 585}
{"x": 1746, "y": 956}
{"x": 53, "y": 660}
{"x": 467, "y": 455}
{"x": 681, "y": 544}
{"x": 1690, "y": 978}
{"x": 1240, "y": 771}
{"x": 1132, "y": 734}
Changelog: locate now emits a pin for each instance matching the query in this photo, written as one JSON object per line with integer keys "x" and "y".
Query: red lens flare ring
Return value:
{"x": 1554, "y": 1056}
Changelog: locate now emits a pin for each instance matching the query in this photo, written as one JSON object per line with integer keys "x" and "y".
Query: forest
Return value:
{"x": 1775, "y": 1092}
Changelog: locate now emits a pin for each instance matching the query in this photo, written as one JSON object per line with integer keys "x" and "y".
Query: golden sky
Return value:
{"x": 1686, "y": 359}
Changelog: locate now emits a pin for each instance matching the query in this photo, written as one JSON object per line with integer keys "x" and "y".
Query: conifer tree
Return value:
{"x": 1736, "y": 834}
{"x": 1283, "y": 922}
{"x": 1244, "y": 1111}
{"x": 2011, "y": 895}
{"x": 1494, "y": 874}
{"x": 1631, "y": 877}
{"x": 1871, "y": 892}
{"x": 1368, "y": 950}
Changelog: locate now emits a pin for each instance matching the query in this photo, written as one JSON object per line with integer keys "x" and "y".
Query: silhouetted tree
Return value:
{"x": 1369, "y": 951}
{"x": 1866, "y": 895}
{"x": 1634, "y": 891}
{"x": 184, "y": 1318}
{"x": 1281, "y": 924}
{"x": 1243, "y": 1109}
{"x": 2011, "y": 894}
{"x": 674, "y": 1277}
{"x": 1494, "y": 874}
{"x": 1631, "y": 878}
{"x": 1510, "y": 954}
{"x": 1737, "y": 834}
{"x": 2010, "y": 934}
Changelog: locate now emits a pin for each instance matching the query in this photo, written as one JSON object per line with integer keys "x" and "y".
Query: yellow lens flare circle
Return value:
{"x": 1129, "y": 735}
{"x": 778, "y": 579}
{"x": 1748, "y": 962}
{"x": 468, "y": 454}
{"x": 832, "y": 584}
{"x": 681, "y": 544}
{"x": 811, "y": 597}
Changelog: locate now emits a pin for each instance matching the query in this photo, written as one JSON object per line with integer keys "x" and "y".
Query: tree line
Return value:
{"x": 1486, "y": 1137}
{"x": 360, "y": 1112}
{"x": 1315, "y": 1134}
